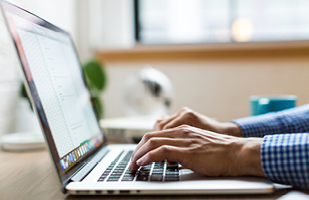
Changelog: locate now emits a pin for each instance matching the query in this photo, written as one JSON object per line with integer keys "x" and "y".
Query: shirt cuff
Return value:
{"x": 258, "y": 126}
{"x": 295, "y": 120}
{"x": 285, "y": 158}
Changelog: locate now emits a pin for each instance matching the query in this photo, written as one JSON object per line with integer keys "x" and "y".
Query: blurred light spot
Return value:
{"x": 242, "y": 30}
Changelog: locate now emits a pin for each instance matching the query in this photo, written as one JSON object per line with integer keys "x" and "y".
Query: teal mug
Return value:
{"x": 271, "y": 103}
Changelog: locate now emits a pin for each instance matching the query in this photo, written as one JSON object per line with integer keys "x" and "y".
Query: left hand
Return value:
{"x": 202, "y": 151}
{"x": 187, "y": 116}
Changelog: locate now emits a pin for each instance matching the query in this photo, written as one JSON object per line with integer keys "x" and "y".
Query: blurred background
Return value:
{"x": 216, "y": 53}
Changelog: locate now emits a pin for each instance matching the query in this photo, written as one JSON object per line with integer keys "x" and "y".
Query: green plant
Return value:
{"x": 96, "y": 79}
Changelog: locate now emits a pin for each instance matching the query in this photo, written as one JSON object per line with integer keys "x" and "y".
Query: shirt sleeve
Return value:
{"x": 295, "y": 120}
{"x": 285, "y": 158}
{"x": 285, "y": 147}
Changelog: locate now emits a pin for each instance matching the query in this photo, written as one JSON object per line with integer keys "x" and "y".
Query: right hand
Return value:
{"x": 186, "y": 116}
{"x": 202, "y": 151}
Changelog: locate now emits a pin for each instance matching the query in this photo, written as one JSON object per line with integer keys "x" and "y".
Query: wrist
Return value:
{"x": 231, "y": 129}
{"x": 249, "y": 157}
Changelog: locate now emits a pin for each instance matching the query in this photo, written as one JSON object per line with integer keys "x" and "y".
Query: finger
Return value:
{"x": 155, "y": 143}
{"x": 171, "y": 153}
{"x": 149, "y": 135}
{"x": 165, "y": 120}
{"x": 157, "y": 126}
{"x": 175, "y": 122}
{"x": 177, "y": 132}
{"x": 170, "y": 133}
{"x": 161, "y": 122}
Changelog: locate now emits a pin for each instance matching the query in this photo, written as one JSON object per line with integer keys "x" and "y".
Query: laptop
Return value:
{"x": 83, "y": 161}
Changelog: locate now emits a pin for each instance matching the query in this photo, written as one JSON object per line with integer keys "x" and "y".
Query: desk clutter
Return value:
{"x": 22, "y": 141}
{"x": 127, "y": 129}
{"x": 117, "y": 130}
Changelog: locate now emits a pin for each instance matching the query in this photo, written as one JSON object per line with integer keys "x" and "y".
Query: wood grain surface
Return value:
{"x": 205, "y": 52}
{"x": 30, "y": 175}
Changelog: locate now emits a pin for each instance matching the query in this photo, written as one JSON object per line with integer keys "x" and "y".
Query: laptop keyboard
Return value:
{"x": 157, "y": 171}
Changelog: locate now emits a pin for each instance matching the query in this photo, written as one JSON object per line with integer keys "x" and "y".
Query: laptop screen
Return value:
{"x": 57, "y": 86}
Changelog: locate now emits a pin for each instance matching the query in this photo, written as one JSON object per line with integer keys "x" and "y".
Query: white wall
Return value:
{"x": 218, "y": 88}
{"x": 15, "y": 115}
{"x": 104, "y": 24}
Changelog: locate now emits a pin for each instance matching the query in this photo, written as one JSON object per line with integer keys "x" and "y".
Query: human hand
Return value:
{"x": 186, "y": 116}
{"x": 204, "y": 152}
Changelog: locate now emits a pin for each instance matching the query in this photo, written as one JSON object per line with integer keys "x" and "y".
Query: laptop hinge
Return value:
{"x": 89, "y": 166}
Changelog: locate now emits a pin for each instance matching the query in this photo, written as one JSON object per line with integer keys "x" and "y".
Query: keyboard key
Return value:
{"x": 143, "y": 173}
{"x": 112, "y": 179}
{"x": 171, "y": 175}
{"x": 131, "y": 178}
{"x": 171, "y": 172}
{"x": 156, "y": 177}
{"x": 117, "y": 172}
{"x": 157, "y": 173}
{"x": 158, "y": 170}
{"x": 115, "y": 175}
{"x": 128, "y": 176}
{"x": 142, "y": 178}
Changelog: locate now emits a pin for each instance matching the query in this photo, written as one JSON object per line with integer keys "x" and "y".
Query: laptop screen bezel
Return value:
{"x": 8, "y": 8}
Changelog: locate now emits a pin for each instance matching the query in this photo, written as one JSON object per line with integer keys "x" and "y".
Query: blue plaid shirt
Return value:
{"x": 285, "y": 148}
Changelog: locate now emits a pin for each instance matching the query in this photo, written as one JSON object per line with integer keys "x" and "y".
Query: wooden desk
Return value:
{"x": 30, "y": 175}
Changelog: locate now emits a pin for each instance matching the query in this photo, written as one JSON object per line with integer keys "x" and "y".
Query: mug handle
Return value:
{"x": 263, "y": 105}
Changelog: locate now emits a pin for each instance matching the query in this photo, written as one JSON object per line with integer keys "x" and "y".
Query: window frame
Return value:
{"x": 137, "y": 29}
{"x": 140, "y": 52}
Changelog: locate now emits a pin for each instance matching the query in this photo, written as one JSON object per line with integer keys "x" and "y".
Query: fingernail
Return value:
{"x": 139, "y": 161}
{"x": 130, "y": 166}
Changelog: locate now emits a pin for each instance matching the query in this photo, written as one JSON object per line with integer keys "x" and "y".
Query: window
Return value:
{"x": 220, "y": 21}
